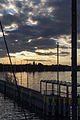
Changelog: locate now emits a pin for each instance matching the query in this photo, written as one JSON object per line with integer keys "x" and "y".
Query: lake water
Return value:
{"x": 10, "y": 112}
{"x": 30, "y": 80}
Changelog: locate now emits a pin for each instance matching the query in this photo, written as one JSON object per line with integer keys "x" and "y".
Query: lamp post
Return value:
{"x": 21, "y": 74}
{"x": 74, "y": 59}
{"x": 57, "y": 68}
{"x": 27, "y": 76}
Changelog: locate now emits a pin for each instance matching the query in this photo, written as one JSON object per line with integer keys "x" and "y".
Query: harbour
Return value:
{"x": 40, "y": 98}
{"x": 47, "y": 36}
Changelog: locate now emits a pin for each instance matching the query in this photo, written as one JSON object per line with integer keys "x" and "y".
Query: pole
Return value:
{"x": 21, "y": 74}
{"x": 40, "y": 86}
{"x": 8, "y": 53}
{"x": 27, "y": 76}
{"x": 74, "y": 59}
{"x": 11, "y": 65}
{"x": 3, "y": 71}
{"x": 57, "y": 68}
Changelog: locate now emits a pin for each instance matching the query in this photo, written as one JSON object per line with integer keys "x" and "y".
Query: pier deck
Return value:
{"x": 52, "y": 104}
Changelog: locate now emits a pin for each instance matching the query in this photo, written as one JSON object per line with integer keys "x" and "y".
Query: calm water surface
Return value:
{"x": 10, "y": 112}
{"x": 30, "y": 80}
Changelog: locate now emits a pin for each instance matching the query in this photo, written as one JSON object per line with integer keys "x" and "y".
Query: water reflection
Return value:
{"x": 10, "y": 112}
{"x": 32, "y": 79}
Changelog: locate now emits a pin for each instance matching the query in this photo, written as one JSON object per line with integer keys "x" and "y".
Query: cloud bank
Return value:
{"x": 32, "y": 25}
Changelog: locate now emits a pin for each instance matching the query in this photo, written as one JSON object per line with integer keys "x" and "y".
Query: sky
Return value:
{"x": 33, "y": 28}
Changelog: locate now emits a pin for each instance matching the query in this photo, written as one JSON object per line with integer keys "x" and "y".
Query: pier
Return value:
{"x": 51, "y": 103}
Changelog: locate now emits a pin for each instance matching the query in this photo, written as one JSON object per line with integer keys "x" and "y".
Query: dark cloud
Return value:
{"x": 18, "y": 4}
{"x": 34, "y": 60}
{"x": 43, "y": 43}
{"x": 64, "y": 47}
{"x": 46, "y": 53}
{"x": 64, "y": 53}
{"x": 50, "y": 24}
{"x": 51, "y": 53}
{"x": 3, "y": 1}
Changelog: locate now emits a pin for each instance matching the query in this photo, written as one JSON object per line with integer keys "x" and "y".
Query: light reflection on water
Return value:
{"x": 10, "y": 112}
{"x": 7, "y": 110}
{"x": 32, "y": 79}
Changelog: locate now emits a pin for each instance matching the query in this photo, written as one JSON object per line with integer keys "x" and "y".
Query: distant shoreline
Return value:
{"x": 35, "y": 68}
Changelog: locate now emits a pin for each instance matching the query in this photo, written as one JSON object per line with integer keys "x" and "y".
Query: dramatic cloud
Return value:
{"x": 34, "y": 25}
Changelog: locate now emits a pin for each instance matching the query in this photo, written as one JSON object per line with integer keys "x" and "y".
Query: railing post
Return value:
{"x": 40, "y": 86}
{"x": 59, "y": 89}
{"x": 46, "y": 88}
{"x": 52, "y": 89}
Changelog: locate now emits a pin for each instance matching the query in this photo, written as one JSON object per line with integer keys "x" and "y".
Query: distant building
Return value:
{"x": 34, "y": 63}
